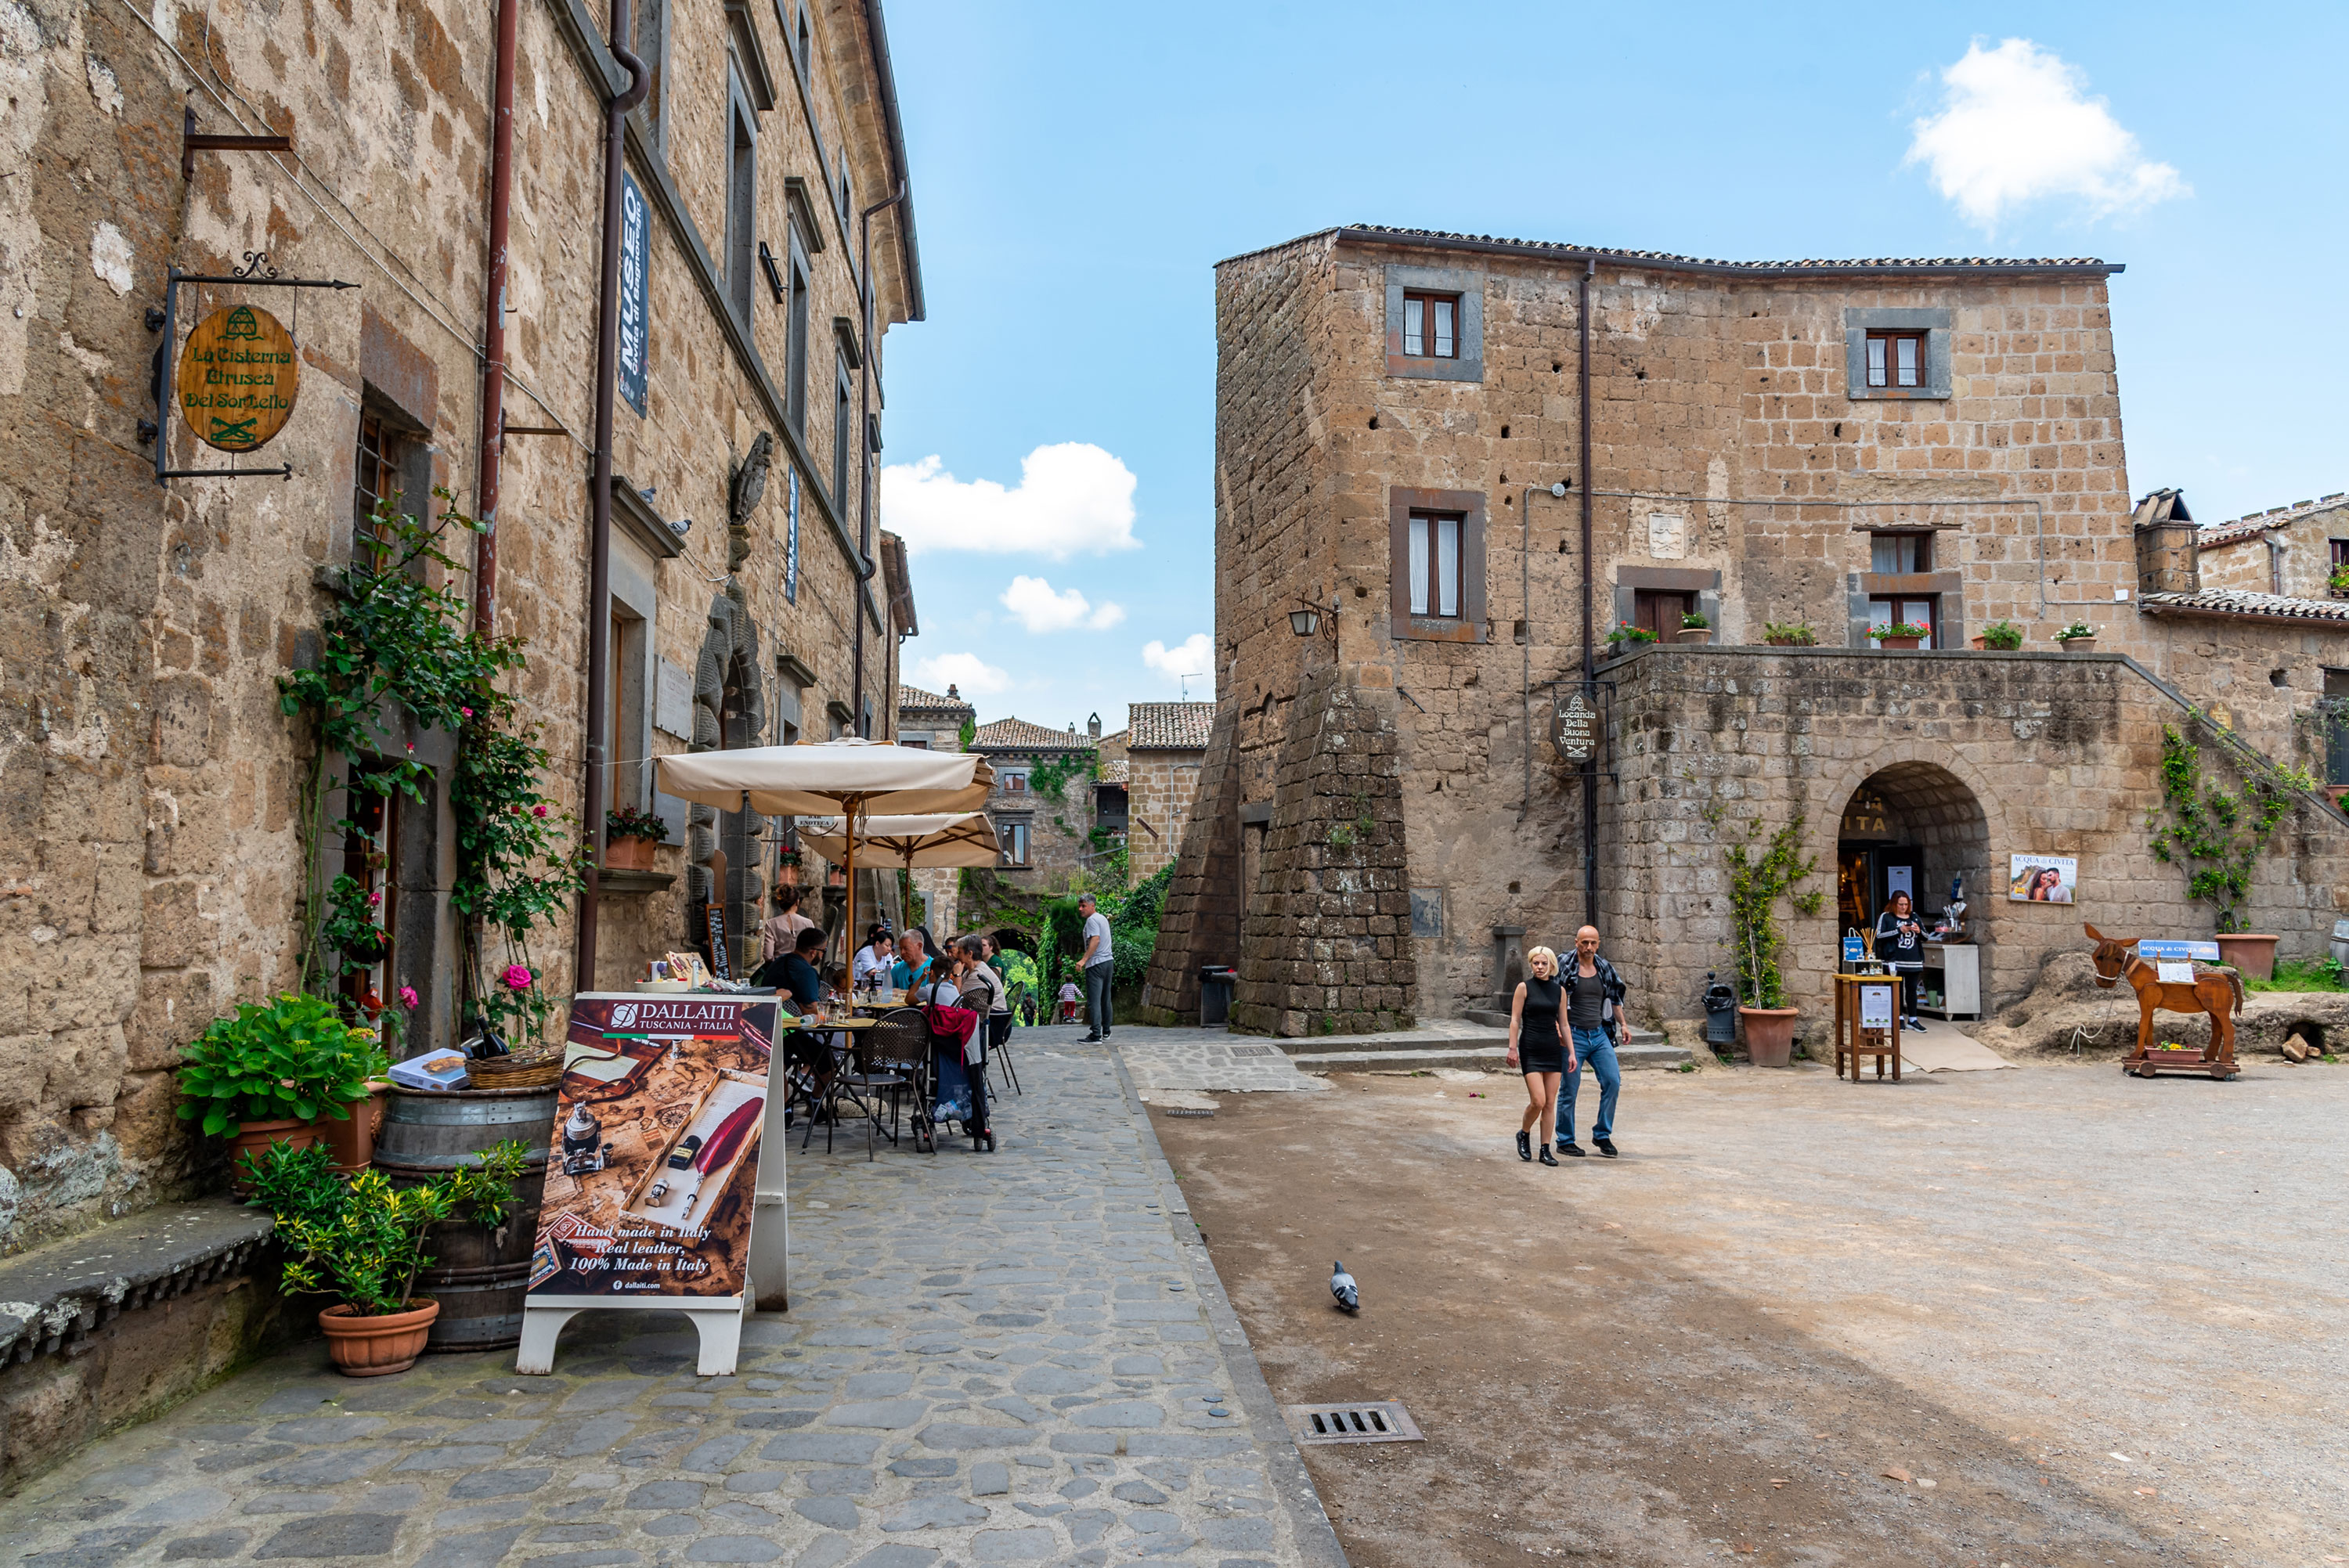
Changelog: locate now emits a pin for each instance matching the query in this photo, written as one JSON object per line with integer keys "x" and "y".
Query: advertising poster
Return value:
{"x": 635, "y": 292}
{"x": 655, "y": 1152}
{"x": 2042, "y": 879}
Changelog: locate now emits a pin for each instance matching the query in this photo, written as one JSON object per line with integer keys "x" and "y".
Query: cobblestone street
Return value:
{"x": 1016, "y": 1358}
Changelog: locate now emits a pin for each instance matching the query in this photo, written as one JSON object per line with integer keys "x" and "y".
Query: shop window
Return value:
{"x": 1924, "y": 611}
{"x": 1431, "y": 324}
{"x": 1891, "y": 554}
{"x": 1896, "y": 359}
{"x": 376, "y": 480}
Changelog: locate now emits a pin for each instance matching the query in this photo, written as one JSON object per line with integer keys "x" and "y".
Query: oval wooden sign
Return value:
{"x": 238, "y": 376}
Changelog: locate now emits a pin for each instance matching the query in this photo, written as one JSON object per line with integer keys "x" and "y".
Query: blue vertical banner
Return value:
{"x": 791, "y": 539}
{"x": 635, "y": 292}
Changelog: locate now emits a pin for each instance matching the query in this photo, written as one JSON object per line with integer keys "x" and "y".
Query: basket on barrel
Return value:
{"x": 480, "y": 1273}
{"x": 532, "y": 1069}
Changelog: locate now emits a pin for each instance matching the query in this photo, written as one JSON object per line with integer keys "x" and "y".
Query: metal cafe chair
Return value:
{"x": 998, "y": 1049}
{"x": 896, "y": 1048}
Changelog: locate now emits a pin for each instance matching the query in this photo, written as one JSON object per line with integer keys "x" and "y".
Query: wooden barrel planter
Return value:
{"x": 480, "y": 1273}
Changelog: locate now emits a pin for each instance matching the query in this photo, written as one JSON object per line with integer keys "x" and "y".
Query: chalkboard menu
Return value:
{"x": 720, "y": 962}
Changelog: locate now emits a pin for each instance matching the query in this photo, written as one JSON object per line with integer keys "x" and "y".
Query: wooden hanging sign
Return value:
{"x": 238, "y": 377}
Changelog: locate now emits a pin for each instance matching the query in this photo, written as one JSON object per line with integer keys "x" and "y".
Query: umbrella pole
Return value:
{"x": 849, "y": 946}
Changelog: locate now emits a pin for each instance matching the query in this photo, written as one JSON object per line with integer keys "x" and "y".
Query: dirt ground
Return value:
{"x": 2092, "y": 1320}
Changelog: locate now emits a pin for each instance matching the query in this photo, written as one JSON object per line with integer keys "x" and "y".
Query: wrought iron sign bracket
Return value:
{"x": 256, "y": 273}
{"x": 192, "y": 141}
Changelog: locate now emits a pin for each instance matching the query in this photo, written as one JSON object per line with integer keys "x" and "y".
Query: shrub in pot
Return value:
{"x": 1900, "y": 635}
{"x": 361, "y": 1241}
{"x": 1789, "y": 635}
{"x": 1756, "y": 882}
{"x": 272, "y": 1072}
{"x": 1695, "y": 628}
{"x": 2003, "y": 636}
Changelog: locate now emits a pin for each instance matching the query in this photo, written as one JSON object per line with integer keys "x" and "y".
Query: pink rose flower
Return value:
{"x": 538, "y": 810}
{"x": 517, "y": 977}
{"x": 408, "y": 996}
{"x": 466, "y": 711}
{"x": 375, "y": 898}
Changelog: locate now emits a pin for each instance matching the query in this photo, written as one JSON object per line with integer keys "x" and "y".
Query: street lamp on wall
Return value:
{"x": 1306, "y": 619}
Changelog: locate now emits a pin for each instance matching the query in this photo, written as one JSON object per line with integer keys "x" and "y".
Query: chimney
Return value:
{"x": 952, "y": 694}
{"x": 1093, "y": 727}
{"x": 2166, "y": 556}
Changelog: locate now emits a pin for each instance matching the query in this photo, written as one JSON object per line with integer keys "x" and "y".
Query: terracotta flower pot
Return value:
{"x": 2334, "y": 792}
{"x": 377, "y": 1347}
{"x": 255, "y": 1136}
{"x": 2078, "y": 645}
{"x": 628, "y": 854}
{"x": 1770, "y": 1034}
{"x": 1898, "y": 642}
{"x": 1697, "y": 636}
{"x": 353, "y": 1141}
{"x": 1979, "y": 642}
{"x": 1789, "y": 642}
{"x": 2253, "y": 955}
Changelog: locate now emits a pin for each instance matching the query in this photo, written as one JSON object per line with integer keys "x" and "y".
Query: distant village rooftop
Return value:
{"x": 2215, "y": 535}
{"x": 1018, "y": 734}
{"x": 1665, "y": 261}
{"x": 1169, "y": 725}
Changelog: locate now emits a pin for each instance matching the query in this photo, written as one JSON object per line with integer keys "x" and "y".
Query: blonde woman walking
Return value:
{"x": 1536, "y": 1050}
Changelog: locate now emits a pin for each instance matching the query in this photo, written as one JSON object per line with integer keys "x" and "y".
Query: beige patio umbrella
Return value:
{"x": 957, "y": 839}
{"x": 849, "y": 778}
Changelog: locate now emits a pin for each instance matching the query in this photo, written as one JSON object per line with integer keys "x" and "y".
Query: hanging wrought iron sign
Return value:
{"x": 235, "y": 381}
{"x": 1573, "y": 728}
{"x": 239, "y": 376}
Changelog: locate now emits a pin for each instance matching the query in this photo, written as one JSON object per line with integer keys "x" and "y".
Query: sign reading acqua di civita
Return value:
{"x": 238, "y": 376}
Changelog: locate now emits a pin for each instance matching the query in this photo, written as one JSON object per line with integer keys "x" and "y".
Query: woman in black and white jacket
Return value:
{"x": 1900, "y": 943}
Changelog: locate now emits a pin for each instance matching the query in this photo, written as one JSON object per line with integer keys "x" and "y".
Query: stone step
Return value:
{"x": 1648, "y": 1050}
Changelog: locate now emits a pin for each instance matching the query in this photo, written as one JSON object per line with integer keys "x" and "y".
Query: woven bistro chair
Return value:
{"x": 897, "y": 1053}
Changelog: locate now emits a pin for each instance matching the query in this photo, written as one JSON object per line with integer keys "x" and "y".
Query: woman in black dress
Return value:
{"x": 1536, "y": 1050}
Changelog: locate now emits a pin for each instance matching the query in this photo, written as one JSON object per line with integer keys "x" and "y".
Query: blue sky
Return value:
{"x": 1079, "y": 169}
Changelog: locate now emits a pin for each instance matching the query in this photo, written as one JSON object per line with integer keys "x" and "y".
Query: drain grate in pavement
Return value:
{"x": 1187, "y": 1110}
{"x": 1359, "y": 1421}
{"x": 1256, "y": 1050}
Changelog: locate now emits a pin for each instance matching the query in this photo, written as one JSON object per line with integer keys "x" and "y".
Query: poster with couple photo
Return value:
{"x": 660, "y": 1115}
{"x": 2042, "y": 879}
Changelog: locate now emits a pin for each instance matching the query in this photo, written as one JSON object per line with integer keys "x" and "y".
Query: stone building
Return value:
{"x": 1150, "y": 775}
{"x": 935, "y": 723}
{"x": 1042, "y": 802}
{"x": 2292, "y": 550}
{"x": 1417, "y": 432}
{"x": 154, "y": 875}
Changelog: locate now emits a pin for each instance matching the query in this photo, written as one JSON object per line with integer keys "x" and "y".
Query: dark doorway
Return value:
{"x": 1659, "y": 611}
{"x": 1914, "y": 826}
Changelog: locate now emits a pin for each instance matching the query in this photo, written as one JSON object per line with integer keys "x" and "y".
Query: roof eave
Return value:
{"x": 1348, "y": 234}
{"x": 908, "y": 248}
{"x": 2213, "y": 612}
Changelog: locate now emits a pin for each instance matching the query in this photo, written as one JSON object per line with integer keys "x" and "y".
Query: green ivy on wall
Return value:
{"x": 2218, "y": 836}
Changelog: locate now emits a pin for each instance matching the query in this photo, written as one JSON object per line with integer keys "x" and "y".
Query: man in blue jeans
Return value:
{"x": 1594, "y": 1010}
{"x": 1099, "y": 963}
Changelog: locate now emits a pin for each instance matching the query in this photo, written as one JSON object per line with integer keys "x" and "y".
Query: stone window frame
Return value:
{"x": 1933, "y": 322}
{"x": 1021, "y": 832}
{"x": 1469, "y": 626}
{"x": 1465, "y": 282}
{"x": 1697, "y": 579}
{"x": 1947, "y": 588}
{"x": 739, "y": 233}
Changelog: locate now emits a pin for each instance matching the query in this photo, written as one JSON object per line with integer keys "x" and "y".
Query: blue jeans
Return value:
{"x": 1097, "y": 978}
{"x": 1596, "y": 1046}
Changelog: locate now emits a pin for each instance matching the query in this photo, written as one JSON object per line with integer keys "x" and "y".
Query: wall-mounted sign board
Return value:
{"x": 238, "y": 379}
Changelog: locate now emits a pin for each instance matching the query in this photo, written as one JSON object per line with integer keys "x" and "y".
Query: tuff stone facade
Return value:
{"x": 1047, "y": 838}
{"x": 2288, "y": 550}
{"x": 152, "y": 875}
{"x": 926, "y": 719}
{"x": 1740, "y": 468}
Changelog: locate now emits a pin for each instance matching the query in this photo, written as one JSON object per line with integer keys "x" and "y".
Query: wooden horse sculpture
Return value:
{"x": 2217, "y": 991}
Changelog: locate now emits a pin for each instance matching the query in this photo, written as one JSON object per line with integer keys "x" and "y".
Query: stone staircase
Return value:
{"x": 1478, "y": 1042}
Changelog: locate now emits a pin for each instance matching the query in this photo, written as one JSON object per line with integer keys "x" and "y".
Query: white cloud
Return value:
{"x": 2016, "y": 125}
{"x": 968, "y": 672}
{"x": 1191, "y": 656}
{"x": 1074, "y": 498}
{"x": 1040, "y": 609}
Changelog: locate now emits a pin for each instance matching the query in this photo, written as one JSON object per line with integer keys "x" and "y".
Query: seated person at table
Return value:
{"x": 794, "y": 974}
{"x": 912, "y": 957}
{"x": 874, "y": 960}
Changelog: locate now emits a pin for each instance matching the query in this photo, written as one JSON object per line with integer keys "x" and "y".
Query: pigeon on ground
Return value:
{"x": 1341, "y": 1285}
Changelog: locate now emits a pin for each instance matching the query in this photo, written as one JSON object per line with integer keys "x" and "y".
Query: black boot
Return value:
{"x": 1524, "y": 1146}
{"x": 1548, "y": 1158}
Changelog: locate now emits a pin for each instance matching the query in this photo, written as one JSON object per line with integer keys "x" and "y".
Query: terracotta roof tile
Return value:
{"x": 1169, "y": 725}
{"x": 2257, "y": 606}
{"x": 1019, "y": 734}
{"x": 1118, "y": 772}
{"x": 916, "y": 698}
{"x": 1375, "y": 233}
{"x": 2217, "y": 535}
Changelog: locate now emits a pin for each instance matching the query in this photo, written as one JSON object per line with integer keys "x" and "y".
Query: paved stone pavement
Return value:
{"x": 1174, "y": 1066}
{"x": 1016, "y": 1358}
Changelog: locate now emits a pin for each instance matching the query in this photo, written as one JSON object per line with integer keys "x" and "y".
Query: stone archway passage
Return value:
{"x": 1932, "y": 822}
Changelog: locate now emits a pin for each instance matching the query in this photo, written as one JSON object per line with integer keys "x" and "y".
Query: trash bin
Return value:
{"x": 2341, "y": 941}
{"x": 1719, "y": 1013}
{"x": 1215, "y": 982}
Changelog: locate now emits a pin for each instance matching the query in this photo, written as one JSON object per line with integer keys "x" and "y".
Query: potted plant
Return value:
{"x": 2251, "y": 953}
{"x": 1789, "y": 635}
{"x": 2003, "y": 636}
{"x": 1695, "y": 628}
{"x": 629, "y": 836}
{"x": 271, "y": 1073}
{"x": 361, "y": 1240}
{"x": 1756, "y": 883}
{"x": 2079, "y": 637}
{"x": 2337, "y": 584}
{"x": 1626, "y": 636}
{"x": 1900, "y": 635}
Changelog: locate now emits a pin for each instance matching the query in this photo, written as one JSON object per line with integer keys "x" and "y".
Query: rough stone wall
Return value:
{"x": 152, "y": 879}
{"x": 1200, "y": 920}
{"x": 2263, "y": 679}
{"x": 1160, "y": 787}
{"x": 1325, "y": 940}
{"x": 1983, "y": 754}
{"x": 2249, "y": 565}
{"x": 1057, "y": 843}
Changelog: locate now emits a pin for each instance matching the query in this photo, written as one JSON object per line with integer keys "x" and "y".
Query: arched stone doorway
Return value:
{"x": 1916, "y": 825}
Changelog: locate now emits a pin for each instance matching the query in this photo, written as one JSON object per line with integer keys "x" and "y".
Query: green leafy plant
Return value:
{"x": 1756, "y": 883}
{"x": 2075, "y": 631}
{"x": 1052, "y": 779}
{"x": 359, "y": 1238}
{"x": 627, "y": 822}
{"x": 2216, "y": 835}
{"x": 350, "y": 928}
{"x": 1627, "y": 635}
{"x": 1901, "y": 629}
{"x": 1794, "y": 633}
{"x": 2339, "y": 581}
{"x": 2003, "y": 635}
{"x": 293, "y": 1059}
{"x": 968, "y": 733}
{"x": 1693, "y": 621}
{"x": 2302, "y": 974}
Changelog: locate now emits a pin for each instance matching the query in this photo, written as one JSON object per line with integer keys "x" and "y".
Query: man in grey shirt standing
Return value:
{"x": 1097, "y": 966}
